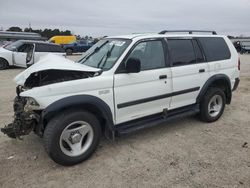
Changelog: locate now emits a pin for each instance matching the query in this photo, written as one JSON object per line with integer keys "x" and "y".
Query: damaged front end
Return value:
{"x": 49, "y": 70}
{"x": 26, "y": 117}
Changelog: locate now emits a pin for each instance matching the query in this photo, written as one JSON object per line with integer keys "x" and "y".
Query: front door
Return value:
{"x": 146, "y": 92}
{"x": 19, "y": 56}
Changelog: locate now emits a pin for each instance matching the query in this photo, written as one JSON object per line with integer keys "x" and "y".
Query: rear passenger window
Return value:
{"x": 182, "y": 51}
{"x": 41, "y": 48}
{"x": 215, "y": 48}
{"x": 48, "y": 48}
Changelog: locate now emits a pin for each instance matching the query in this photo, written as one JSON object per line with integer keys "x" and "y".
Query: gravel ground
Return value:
{"x": 184, "y": 153}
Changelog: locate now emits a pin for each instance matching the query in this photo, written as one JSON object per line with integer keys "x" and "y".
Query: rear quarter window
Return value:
{"x": 49, "y": 48}
{"x": 55, "y": 48}
{"x": 215, "y": 48}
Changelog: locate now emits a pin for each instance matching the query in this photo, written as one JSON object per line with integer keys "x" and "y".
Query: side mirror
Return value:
{"x": 133, "y": 65}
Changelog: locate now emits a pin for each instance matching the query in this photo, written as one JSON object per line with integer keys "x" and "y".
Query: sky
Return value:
{"x": 115, "y": 17}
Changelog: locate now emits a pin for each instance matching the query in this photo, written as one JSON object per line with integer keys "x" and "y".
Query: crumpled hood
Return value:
{"x": 52, "y": 62}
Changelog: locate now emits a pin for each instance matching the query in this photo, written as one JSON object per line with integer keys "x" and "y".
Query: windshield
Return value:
{"x": 13, "y": 46}
{"x": 105, "y": 53}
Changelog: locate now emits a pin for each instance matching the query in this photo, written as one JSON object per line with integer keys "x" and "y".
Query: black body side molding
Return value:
{"x": 149, "y": 99}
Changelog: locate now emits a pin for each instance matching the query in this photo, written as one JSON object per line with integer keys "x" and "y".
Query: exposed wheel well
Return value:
{"x": 225, "y": 87}
{"x": 219, "y": 81}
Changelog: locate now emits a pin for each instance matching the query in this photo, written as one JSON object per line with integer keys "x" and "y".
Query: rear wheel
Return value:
{"x": 72, "y": 137}
{"x": 3, "y": 64}
{"x": 212, "y": 105}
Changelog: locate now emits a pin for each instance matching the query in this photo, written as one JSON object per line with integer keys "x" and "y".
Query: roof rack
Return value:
{"x": 187, "y": 31}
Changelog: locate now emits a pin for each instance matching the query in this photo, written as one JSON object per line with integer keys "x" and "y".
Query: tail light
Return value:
{"x": 238, "y": 63}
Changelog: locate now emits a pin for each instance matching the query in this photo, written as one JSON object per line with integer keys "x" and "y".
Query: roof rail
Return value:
{"x": 187, "y": 31}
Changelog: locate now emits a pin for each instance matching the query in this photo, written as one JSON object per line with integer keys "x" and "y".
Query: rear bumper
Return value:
{"x": 236, "y": 83}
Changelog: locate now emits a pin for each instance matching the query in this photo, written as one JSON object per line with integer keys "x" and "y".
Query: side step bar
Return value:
{"x": 151, "y": 121}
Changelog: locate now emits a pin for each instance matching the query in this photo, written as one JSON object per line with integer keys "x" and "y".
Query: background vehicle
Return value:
{"x": 24, "y": 53}
{"x": 63, "y": 39}
{"x": 123, "y": 84}
{"x": 78, "y": 46}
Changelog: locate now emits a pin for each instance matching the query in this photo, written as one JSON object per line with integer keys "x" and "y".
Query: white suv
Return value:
{"x": 121, "y": 85}
{"x": 24, "y": 53}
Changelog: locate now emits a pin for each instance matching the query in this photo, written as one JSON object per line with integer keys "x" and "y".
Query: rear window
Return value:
{"x": 215, "y": 48}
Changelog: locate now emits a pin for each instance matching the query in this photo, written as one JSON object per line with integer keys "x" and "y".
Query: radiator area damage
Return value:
{"x": 53, "y": 69}
{"x": 47, "y": 77}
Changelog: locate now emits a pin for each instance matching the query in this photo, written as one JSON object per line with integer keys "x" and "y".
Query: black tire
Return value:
{"x": 204, "y": 105}
{"x": 55, "y": 128}
{"x": 69, "y": 51}
{"x": 3, "y": 64}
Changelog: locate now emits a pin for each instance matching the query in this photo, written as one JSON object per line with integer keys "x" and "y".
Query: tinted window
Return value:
{"x": 215, "y": 48}
{"x": 182, "y": 51}
{"x": 41, "y": 48}
{"x": 198, "y": 53}
{"x": 150, "y": 53}
{"x": 48, "y": 48}
{"x": 55, "y": 48}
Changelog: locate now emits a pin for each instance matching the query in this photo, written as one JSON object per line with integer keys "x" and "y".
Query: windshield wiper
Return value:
{"x": 107, "y": 55}
{"x": 95, "y": 50}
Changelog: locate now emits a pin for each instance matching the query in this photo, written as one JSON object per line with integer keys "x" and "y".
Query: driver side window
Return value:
{"x": 150, "y": 54}
{"x": 25, "y": 48}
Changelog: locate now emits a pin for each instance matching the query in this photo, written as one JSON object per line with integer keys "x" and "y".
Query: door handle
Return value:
{"x": 163, "y": 77}
{"x": 201, "y": 70}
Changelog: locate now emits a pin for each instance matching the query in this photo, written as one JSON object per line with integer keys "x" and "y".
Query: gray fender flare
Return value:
{"x": 211, "y": 81}
{"x": 77, "y": 101}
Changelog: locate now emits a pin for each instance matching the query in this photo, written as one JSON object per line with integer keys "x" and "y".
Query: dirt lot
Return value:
{"x": 184, "y": 153}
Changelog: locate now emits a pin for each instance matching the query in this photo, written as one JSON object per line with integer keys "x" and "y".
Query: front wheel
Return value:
{"x": 212, "y": 105}
{"x": 72, "y": 137}
{"x": 3, "y": 64}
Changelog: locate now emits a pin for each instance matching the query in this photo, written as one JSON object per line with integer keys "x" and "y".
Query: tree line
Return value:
{"x": 48, "y": 33}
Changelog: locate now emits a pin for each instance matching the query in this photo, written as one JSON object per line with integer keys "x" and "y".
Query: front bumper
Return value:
{"x": 24, "y": 121}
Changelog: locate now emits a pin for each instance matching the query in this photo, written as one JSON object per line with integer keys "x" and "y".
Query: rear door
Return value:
{"x": 189, "y": 70}
{"x": 146, "y": 92}
{"x": 44, "y": 49}
{"x": 40, "y": 50}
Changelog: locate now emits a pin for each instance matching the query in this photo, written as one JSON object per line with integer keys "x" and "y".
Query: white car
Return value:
{"x": 123, "y": 84}
{"x": 24, "y": 53}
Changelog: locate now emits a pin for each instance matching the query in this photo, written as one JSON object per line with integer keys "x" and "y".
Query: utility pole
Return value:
{"x": 29, "y": 26}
